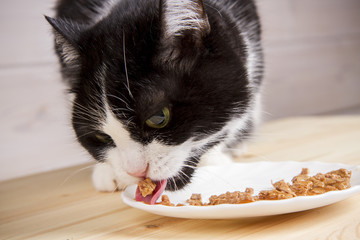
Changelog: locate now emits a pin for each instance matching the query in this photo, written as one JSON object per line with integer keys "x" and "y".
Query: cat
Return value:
{"x": 160, "y": 86}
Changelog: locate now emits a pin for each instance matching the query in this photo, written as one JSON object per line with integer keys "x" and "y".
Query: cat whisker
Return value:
{"x": 120, "y": 99}
{"x": 128, "y": 122}
{"x": 86, "y": 126}
{"x": 214, "y": 9}
{"x": 181, "y": 177}
{"x": 85, "y": 134}
{"x": 81, "y": 112}
{"x": 125, "y": 65}
{"x": 192, "y": 163}
{"x": 127, "y": 88}
{"x": 86, "y": 109}
{"x": 119, "y": 93}
{"x": 266, "y": 113}
{"x": 116, "y": 188}
{"x": 189, "y": 166}
{"x": 173, "y": 180}
{"x": 74, "y": 173}
{"x": 86, "y": 117}
{"x": 121, "y": 109}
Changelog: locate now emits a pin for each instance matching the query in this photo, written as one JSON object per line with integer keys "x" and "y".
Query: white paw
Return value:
{"x": 106, "y": 178}
{"x": 215, "y": 156}
{"x": 103, "y": 178}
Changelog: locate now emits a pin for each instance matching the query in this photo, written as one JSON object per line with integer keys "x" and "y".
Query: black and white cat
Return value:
{"x": 159, "y": 86}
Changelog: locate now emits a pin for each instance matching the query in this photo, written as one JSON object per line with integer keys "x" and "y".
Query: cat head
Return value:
{"x": 155, "y": 85}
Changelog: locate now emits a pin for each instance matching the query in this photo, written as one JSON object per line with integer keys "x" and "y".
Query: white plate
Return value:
{"x": 212, "y": 180}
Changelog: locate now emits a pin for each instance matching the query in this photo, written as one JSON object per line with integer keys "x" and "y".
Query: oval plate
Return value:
{"x": 210, "y": 180}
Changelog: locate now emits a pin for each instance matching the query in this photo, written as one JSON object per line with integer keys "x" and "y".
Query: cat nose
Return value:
{"x": 139, "y": 173}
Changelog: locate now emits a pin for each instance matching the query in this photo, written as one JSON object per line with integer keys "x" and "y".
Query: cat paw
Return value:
{"x": 103, "y": 178}
{"x": 106, "y": 178}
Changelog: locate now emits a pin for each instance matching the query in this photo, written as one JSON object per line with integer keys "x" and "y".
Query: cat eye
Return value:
{"x": 104, "y": 138}
{"x": 160, "y": 119}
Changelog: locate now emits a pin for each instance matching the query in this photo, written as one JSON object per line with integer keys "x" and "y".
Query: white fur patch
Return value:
{"x": 251, "y": 56}
{"x": 103, "y": 178}
{"x": 257, "y": 109}
{"x": 183, "y": 15}
{"x": 128, "y": 150}
{"x": 254, "y": 59}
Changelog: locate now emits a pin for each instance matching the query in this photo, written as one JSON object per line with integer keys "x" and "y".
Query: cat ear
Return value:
{"x": 66, "y": 37}
{"x": 184, "y": 26}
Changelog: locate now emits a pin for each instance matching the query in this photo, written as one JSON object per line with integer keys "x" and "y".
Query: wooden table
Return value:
{"x": 63, "y": 205}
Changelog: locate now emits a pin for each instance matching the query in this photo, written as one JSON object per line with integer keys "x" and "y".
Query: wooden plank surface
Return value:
{"x": 63, "y": 205}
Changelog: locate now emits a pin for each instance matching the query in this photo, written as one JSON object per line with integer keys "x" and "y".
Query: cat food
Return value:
{"x": 302, "y": 185}
{"x": 166, "y": 201}
{"x": 282, "y": 191}
{"x": 305, "y": 185}
{"x": 146, "y": 187}
{"x": 195, "y": 200}
{"x": 233, "y": 197}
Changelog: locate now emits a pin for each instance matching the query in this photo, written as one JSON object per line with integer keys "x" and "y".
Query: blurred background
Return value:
{"x": 312, "y": 53}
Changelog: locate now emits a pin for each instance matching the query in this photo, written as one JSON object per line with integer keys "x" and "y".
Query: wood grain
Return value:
{"x": 63, "y": 205}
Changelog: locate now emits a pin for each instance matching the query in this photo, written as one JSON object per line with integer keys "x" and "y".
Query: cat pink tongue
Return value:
{"x": 151, "y": 199}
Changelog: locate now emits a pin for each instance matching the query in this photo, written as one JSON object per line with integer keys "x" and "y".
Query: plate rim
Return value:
{"x": 204, "y": 212}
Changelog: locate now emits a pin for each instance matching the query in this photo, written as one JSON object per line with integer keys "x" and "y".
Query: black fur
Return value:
{"x": 209, "y": 89}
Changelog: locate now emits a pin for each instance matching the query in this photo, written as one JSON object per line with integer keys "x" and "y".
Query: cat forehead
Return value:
{"x": 152, "y": 96}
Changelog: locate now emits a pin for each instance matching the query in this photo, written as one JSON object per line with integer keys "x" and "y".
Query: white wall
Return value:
{"x": 34, "y": 123}
{"x": 312, "y": 52}
{"x": 312, "y": 56}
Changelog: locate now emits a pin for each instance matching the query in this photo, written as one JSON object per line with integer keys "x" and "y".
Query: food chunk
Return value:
{"x": 195, "y": 200}
{"x": 282, "y": 186}
{"x": 146, "y": 187}
{"x": 236, "y": 197}
{"x": 282, "y": 191}
{"x": 274, "y": 195}
{"x": 166, "y": 201}
{"x": 304, "y": 185}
